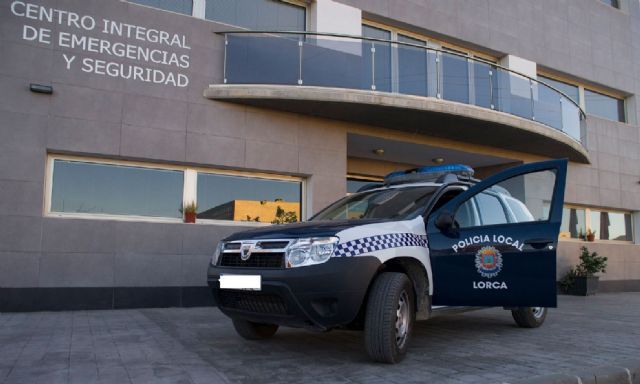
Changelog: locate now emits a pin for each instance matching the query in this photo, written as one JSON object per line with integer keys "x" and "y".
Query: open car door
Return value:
{"x": 495, "y": 244}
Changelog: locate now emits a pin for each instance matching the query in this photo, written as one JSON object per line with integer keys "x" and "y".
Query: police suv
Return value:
{"x": 424, "y": 241}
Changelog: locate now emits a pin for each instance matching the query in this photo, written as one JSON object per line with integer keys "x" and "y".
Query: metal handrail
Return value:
{"x": 354, "y": 37}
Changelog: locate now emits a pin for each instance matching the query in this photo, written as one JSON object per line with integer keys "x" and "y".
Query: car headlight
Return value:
{"x": 310, "y": 251}
{"x": 216, "y": 254}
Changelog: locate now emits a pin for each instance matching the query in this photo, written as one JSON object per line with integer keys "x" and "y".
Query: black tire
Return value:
{"x": 529, "y": 317}
{"x": 254, "y": 331}
{"x": 382, "y": 329}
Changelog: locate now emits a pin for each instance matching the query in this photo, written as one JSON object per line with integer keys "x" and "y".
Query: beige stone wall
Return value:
{"x": 612, "y": 178}
{"x": 623, "y": 263}
{"x": 244, "y": 137}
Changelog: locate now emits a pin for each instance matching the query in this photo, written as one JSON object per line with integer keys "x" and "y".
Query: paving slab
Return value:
{"x": 199, "y": 345}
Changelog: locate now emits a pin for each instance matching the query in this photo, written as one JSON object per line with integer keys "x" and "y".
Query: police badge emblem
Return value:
{"x": 488, "y": 262}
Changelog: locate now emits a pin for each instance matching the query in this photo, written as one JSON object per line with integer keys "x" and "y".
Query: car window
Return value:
{"x": 491, "y": 210}
{"x": 446, "y": 197}
{"x": 466, "y": 215}
{"x": 519, "y": 210}
{"x": 392, "y": 203}
{"x": 520, "y": 199}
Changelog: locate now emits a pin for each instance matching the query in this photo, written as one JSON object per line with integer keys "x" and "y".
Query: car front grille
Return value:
{"x": 268, "y": 253}
{"x": 256, "y": 260}
{"x": 255, "y": 302}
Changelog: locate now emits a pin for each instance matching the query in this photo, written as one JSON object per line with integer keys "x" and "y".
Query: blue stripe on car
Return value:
{"x": 379, "y": 242}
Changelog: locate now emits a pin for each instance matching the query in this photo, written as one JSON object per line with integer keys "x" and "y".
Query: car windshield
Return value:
{"x": 393, "y": 203}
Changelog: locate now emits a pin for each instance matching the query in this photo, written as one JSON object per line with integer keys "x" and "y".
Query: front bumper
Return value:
{"x": 320, "y": 296}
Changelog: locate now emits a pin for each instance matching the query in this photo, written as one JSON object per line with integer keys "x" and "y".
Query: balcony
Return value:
{"x": 400, "y": 86}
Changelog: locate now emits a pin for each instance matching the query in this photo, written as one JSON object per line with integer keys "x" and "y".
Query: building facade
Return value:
{"x": 118, "y": 116}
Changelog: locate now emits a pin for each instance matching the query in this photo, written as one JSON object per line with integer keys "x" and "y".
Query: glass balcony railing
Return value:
{"x": 342, "y": 61}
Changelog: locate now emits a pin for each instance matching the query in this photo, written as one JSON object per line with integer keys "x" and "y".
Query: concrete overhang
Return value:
{"x": 423, "y": 115}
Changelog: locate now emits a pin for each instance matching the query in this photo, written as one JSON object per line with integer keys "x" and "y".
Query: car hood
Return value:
{"x": 299, "y": 230}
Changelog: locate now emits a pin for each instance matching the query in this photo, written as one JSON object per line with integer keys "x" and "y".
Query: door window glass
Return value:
{"x": 491, "y": 210}
{"x": 466, "y": 216}
{"x": 523, "y": 198}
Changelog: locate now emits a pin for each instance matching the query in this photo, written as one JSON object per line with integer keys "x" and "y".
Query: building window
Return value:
{"x": 612, "y": 3}
{"x": 381, "y": 77}
{"x": 455, "y": 76}
{"x": 107, "y": 189}
{"x": 95, "y": 188}
{"x": 608, "y": 225}
{"x": 412, "y": 66}
{"x": 569, "y": 89}
{"x": 257, "y": 14}
{"x": 604, "y": 106}
{"x": 178, "y": 6}
{"x": 611, "y": 225}
{"x": 573, "y": 223}
{"x": 243, "y": 198}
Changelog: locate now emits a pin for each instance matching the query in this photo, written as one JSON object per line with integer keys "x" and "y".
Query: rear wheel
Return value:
{"x": 529, "y": 317}
{"x": 389, "y": 317}
{"x": 254, "y": 331}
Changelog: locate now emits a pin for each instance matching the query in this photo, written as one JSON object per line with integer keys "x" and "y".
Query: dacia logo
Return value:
{"x": 245, "y": 251}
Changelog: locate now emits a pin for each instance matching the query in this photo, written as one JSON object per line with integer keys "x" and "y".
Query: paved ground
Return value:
{"x": 199, "y": 345}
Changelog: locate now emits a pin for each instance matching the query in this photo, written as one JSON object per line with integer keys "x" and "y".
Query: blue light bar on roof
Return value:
{"x": 458, "y": 169}
{"x": 428, "y": 173}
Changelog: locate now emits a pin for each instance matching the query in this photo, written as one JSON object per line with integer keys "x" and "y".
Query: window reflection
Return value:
{"x": 354, "y": 184}
{"x": 573, "y": 223}
{"x": 611, "y": 225}
{"x": 455, "y": 78}
{"x": 257, "y": 14}
{"x": 520, "y": 199}
{"x": 241, "y": 198}
{"x": 394, "y": 203}
{"x": 604, "y": 106}
{"x": 80, "y": 187}
{"x": 568, "y": 89}
{"x": 412, "y": 66}
{"x": 382, "y": 70}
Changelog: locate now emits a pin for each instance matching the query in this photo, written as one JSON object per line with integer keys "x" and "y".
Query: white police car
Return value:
{"x": 424, "y": 241}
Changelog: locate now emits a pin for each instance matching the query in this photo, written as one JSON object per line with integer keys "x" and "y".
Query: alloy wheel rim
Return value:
{"x": 537, "y": 312}
{"x": 402, "y": 319}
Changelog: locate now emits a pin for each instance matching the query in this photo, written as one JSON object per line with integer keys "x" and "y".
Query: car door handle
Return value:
{"x": 538, "y": 243}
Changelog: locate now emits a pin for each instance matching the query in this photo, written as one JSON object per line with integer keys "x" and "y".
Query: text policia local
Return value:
{"x": 69, "y": 40}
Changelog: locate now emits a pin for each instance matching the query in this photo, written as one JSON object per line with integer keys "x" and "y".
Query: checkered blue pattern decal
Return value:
{"x": 376, "y": 243}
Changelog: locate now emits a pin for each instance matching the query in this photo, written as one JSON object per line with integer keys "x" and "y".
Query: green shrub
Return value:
{"x": 590, "y": 264}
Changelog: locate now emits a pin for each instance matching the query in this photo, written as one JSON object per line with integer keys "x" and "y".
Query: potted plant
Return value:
{"x": 581, "y": 234}
{"x": 581, "y": 279}
{"x": 591, "y": 235}
{"x": 189, "y": 212}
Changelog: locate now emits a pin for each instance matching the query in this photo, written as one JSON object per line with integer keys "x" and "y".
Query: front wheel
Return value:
{"x": 529, "y": 317}
{"x": 254, "y": 331}
{"x": 389, "y": 317}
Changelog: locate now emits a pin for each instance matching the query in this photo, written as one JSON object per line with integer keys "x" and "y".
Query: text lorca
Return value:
{"x": 479, "y": 239}
{"x": 489, "y": 285}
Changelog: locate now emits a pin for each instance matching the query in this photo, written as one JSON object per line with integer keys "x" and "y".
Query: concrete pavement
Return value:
{"x": 199, "y": 345}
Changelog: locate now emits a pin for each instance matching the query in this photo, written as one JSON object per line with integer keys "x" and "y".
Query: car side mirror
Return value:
{"x": 444, "y": 221}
